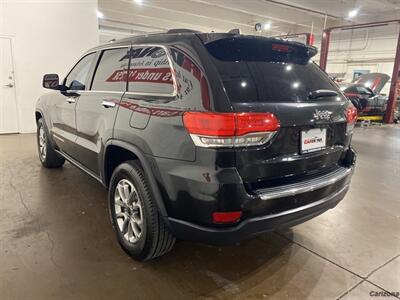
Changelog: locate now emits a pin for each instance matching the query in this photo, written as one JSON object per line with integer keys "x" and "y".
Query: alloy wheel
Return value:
{"x": 128, "y": 211}
{"x": 42, "y": 144}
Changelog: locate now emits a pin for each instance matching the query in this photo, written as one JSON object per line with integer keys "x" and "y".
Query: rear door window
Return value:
{"x": 150, "y": 71}
{"x": 261, "y": 70}
{"x": 111, "y": 71}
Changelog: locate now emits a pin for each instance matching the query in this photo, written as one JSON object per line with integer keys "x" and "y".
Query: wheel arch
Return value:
{"x": 38, "y": 115}
{"x": 138, "y": 154}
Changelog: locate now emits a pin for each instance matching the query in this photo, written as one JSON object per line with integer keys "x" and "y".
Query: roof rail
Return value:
{"x": 183, "y": 30}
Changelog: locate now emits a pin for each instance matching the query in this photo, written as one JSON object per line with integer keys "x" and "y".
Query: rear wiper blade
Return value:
{"x": 322, "y": 94}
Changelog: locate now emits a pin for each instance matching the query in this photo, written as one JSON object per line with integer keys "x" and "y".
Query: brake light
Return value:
{"x": 226, "y": 217}
{"x": 281, "y": 48}
{"x": 351, "y": 117}
{"x": 230, "y": 129}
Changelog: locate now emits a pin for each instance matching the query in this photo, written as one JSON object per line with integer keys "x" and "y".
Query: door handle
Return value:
{"x": 10, "y": 85}
{"x": 71, "y": 100}
{"x": 108, "y": 104}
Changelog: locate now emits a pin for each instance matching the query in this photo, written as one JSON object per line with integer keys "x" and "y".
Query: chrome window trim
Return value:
{"x": 173, "y": 95}
{"x": 94, "y": 92}
{"x": 115, "y": 47}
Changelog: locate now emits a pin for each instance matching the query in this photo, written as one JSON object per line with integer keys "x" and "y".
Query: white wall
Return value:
{"x": 48, "y": 37}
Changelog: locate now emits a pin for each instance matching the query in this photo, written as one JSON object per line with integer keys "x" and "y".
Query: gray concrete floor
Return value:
{"x": 56, "y": 241}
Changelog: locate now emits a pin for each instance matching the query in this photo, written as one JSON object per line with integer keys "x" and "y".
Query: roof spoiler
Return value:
{"x": 186, "y": 30}
{"x": 234, "y": 31}
{"x": 213, "y": 37}
{"x": 183, "y": 30}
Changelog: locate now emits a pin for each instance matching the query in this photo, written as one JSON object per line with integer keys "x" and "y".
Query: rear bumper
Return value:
{"x": 253, "y": 226}
{"x": 263, "y": 210}
{"x": 335, "y": 185}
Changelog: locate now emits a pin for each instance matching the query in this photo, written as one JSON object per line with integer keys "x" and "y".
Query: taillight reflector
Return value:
{"x": 351, "y": 115}
{"x": 227, "y": 217}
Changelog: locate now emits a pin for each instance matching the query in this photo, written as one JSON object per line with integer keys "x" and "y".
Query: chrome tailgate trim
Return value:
{"x": 307, "y": 185}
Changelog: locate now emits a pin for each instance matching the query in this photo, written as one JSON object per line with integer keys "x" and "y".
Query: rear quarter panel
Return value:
{"x": 154, "y": 123}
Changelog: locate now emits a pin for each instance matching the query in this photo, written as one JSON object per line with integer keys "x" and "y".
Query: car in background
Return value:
{"x": 364, "y": 93}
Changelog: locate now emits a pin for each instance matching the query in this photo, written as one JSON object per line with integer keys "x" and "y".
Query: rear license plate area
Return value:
{"x": 312, "y": 140}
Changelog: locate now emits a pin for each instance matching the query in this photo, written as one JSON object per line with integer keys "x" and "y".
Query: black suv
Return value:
{"x": 204, "y": 137}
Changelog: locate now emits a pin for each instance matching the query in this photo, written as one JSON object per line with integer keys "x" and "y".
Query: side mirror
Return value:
{"x": 51, "y": 81}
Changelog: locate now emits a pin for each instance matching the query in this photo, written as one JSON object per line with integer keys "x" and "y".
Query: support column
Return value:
{"x": 326, "y": 36}
{"x": 393, "y": 86}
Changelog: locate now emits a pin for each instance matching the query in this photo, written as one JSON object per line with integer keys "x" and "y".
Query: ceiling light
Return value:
{"x": 289, "y": 68}
{"x": 353, "y": 13}
{"x": 295, "y": 85}
{"x": 100, "y": 15}
{"x": 367, "y": 84}
{"x": 243, "y": 83}
{"x": 267, "y": 26}
{"x": 138, "y": 1}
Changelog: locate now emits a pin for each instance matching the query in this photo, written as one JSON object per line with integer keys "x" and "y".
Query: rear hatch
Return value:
{"x": 269, "y": 75}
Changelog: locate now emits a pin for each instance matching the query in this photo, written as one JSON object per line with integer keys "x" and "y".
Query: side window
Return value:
{"x": 363, "y": 90}
{"x": 150, "y": 71}
{"x": 351, "y": 89}
{"x": 76, "y": 79}
{"x": 111, "y": 71}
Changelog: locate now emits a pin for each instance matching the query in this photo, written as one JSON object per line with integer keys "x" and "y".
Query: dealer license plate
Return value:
{"x": 313, "y": 140}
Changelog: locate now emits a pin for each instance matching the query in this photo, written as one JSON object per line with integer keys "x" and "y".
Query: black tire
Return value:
{"x": 50, "y": 158}
{"x": 154, "y": 238}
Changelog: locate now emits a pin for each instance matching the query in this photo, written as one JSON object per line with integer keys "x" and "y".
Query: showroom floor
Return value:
{"x": 56, "y": 240}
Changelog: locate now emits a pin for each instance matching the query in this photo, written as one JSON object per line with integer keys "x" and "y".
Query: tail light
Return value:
{"x": 230, "y": 129}
{"x": 351, "y": 117}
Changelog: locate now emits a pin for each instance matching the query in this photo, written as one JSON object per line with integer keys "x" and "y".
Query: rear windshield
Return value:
{"x": 260, "y": 70}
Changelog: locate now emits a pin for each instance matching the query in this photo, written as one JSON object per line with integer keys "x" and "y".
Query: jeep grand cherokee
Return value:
{"x": 204, "y": 137}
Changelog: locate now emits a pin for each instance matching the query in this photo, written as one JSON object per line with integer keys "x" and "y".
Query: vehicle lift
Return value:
{"x": 326, "y": 34}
